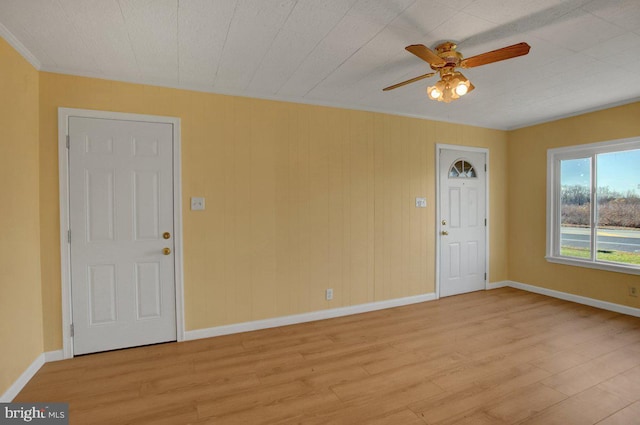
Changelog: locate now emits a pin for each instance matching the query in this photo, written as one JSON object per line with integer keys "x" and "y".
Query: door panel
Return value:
{"x": 102, "y": 295}
{"x": 472, "y": 207}
{"x": 147, "y": 209}
{"x": 462, "y": 227}
{"x": 100, "y": 202}
{"x": 454, "y": 261}
{"x": 454, "y": 207}
{"x": 149, "y": 295}
{"x": 120, "y": 203}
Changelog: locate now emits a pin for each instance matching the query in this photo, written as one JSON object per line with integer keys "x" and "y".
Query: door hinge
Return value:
{"x": 68, "y": 142}
{"x": 72, "y": 329}
{"x": 485, "y": 221}
{"x": 69, "y": 236}
{"x": 485, "y": 168}
{"x": 485, "y": 276}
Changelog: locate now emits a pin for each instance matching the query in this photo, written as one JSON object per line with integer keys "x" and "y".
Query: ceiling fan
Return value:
{"x": 446, "y": 59}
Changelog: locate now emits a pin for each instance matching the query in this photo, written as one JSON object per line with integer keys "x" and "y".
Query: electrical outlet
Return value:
{"x": 633, "y": 291}
{"x": 328, "y": 294}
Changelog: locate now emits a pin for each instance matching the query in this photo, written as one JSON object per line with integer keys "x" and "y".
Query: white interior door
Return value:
{"x": 463, "y": 221}
{"x": 121, "y": 221}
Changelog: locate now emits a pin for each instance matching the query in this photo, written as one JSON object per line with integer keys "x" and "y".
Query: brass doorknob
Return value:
{"x": 166, "y": 235}
{"x": 444, "y": 233}
{"x": 166, "y": 251}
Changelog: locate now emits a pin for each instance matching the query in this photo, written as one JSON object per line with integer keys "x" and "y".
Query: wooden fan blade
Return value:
{"x": 508, "y": 52}
{"x": 426, "y": 54}
{"x": 413, "y": 80}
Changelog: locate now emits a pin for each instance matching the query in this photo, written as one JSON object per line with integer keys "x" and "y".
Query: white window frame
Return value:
{"x": 554, "y": 156}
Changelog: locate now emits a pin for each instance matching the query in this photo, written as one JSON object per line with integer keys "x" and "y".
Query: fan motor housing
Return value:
{"x": 447, "y": 51}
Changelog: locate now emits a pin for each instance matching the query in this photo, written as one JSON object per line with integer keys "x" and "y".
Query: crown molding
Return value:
{"x": 19, "y": 47}
{"x": 256, "y": 95}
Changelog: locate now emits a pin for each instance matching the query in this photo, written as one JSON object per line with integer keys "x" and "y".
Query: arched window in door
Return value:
{"x": 462, "y": 169}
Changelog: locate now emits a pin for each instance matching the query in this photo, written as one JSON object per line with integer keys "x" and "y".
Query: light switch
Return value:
{"x": 197, "y": 204}
{"x": 421, "y": 202}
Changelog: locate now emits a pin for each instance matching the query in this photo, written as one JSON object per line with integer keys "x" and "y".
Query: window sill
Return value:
{"x": 601, "y": 265}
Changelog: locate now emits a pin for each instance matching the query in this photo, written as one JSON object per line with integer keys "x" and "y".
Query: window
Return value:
{"x": 462, "y": 169}
{"x": 593, "y": 205}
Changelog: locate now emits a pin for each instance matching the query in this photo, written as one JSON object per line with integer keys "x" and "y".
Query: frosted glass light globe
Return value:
{"x": 462, "y": 89}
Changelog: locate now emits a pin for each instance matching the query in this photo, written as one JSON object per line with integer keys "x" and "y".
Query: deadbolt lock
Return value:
{"x": 444, "y": 233}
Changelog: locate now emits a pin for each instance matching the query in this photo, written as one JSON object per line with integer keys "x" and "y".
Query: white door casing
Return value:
{"x": 462, "y": 213}
{"x": 122, "y": 187}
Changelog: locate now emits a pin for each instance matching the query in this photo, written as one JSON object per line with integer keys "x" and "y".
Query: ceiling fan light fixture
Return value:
{"x": 434, "y": 93}
{"x": 437, "y": 91}
{"x": 452, "y": 86}
{"x": 462, "y": 89}
{"x": 460, "y": 83}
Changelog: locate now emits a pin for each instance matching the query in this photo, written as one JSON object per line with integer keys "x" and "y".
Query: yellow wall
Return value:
{"x": 527, "y": 203}
{"x": 20, "y": 298}
{"x": 299, "y": 198}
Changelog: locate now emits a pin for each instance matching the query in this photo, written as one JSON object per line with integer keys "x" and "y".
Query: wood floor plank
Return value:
{"x": 255, "y": 397}
{"x": 473, "y": 417}
{"x": 587, "y": 407}
{"x": 525, "y": 403}
{"x": 404, "y": 417}
{"x": 473, "y": 372}
{"x": 352, "y": 360}
{"x": 475, "y": 395}
{"x": 275, "y": 410}
{"x": 593, "y": 372}
{"x": 625, "y": 385}
{"x": 561, "y": 361}
{"x": 626, "y": 416}
{"x": 491, "y": 357}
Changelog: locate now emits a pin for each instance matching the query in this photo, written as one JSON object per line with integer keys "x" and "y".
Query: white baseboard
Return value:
{"x": 53, "y": 356}
{"x": 605, "y": 305}
{"x": 18, "y": 385}
{"x": 496, "y": 285}
{"x": 305, "y": 317}
{"x": 26, "y": 376}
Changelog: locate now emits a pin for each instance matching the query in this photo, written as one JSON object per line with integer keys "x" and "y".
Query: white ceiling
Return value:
{"x": 585, "y": 54}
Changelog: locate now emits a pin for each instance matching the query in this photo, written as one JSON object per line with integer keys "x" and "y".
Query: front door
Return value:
{"x": 462, "y": 221}
{"x": 121, "y": 221}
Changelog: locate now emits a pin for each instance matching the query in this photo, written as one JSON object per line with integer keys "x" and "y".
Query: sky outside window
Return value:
{"x": 620, "y": 171}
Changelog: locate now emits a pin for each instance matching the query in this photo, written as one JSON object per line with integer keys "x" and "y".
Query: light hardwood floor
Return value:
{"x": 497, "y": 357}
